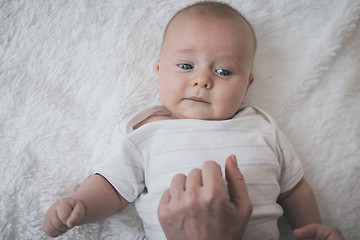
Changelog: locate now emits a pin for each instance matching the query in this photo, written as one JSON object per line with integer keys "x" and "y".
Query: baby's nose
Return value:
{"x": 203, "y": 80}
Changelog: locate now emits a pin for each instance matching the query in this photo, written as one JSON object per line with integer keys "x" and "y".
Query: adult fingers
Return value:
{"x": 306, "y": 232}
{"x": 165, "y": 199}
{"x": 318, "y": 232}
{"x": 177, "y": 185}
{"x": 193, "y": 179}
{"x": 236, "y": 184}
{"x": 211, "y": 174}
{"x": 163, "y": 207}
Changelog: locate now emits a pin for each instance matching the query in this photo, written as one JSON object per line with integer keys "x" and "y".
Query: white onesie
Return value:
{"x": 141, "y": 163}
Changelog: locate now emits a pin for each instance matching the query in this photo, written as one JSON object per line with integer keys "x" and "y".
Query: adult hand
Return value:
{"x": 318, "y": 232}
{"x": 198, "y": 206}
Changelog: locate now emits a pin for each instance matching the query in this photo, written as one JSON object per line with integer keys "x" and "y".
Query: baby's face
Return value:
{"x": 205, "y": 67}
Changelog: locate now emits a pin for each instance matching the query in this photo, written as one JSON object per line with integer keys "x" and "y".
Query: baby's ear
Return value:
{"x": 251, "y": 80}
{"x": 157, "y": 65}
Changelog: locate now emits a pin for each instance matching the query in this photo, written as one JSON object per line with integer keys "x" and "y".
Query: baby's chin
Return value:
{"x": 201, "y": 116}
{"x": 200, "y": 111}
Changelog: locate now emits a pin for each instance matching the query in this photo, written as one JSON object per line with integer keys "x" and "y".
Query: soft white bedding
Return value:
{"x": 71, "y": 70}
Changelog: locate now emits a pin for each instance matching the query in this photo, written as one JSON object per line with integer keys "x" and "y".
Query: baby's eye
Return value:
{"x": 185, "y": 66}
{"x": 223, "y": 72}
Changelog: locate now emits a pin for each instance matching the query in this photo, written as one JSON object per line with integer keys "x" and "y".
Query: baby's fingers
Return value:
{"x": 55, "y": 227}
{"x": 77, "y": 215}
{"x": 57, "y": 216}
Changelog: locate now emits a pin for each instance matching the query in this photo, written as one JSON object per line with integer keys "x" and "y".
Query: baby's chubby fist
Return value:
{"x": 63, "y": 215}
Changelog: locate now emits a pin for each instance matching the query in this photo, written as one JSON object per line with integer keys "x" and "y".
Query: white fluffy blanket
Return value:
{"x": 71, "y": 70}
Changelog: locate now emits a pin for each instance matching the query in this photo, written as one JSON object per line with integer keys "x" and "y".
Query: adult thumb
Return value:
{"x": 236, "y": 185}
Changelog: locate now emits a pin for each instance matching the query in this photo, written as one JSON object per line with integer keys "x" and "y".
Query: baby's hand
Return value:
{"x": 62, "y": 216}
{"x": 318, "y": 232}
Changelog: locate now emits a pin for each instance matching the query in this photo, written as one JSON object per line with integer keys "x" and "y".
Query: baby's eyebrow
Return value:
{"x": 185, "y": 51}
{"x": 230, "y": 59}
{"x": 226, "y": 57}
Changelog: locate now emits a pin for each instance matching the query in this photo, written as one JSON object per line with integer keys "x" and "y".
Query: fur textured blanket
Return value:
{"x": 71, "y": 70}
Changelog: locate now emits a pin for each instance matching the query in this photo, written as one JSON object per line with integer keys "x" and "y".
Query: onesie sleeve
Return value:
{"x": 290, "y": 168}
{"x": 122, "y": 166}
{"x": 290, "y": 164}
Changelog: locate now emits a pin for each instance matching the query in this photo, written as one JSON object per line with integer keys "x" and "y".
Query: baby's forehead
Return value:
{"x": 236, "y": 21}
{"x": 210, "y": 14}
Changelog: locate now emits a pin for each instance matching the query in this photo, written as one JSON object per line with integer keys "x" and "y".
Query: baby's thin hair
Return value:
{"x": 216, "y": 8}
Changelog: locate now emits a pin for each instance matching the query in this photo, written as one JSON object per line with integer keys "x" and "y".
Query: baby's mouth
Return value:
{"x": 197, "y": 99}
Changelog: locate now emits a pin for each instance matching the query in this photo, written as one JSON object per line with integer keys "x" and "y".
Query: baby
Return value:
{"x": 205, "y": 70}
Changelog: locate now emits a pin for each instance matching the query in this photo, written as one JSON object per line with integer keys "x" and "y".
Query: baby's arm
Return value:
{"x": 96, "y": 199}
{"x": 299, "y": 205}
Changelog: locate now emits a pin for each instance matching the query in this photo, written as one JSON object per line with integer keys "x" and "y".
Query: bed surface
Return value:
{"x": 71, "y": 70}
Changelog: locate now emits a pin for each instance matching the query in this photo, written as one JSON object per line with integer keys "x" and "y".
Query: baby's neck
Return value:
{"x": 152, "y": 119}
